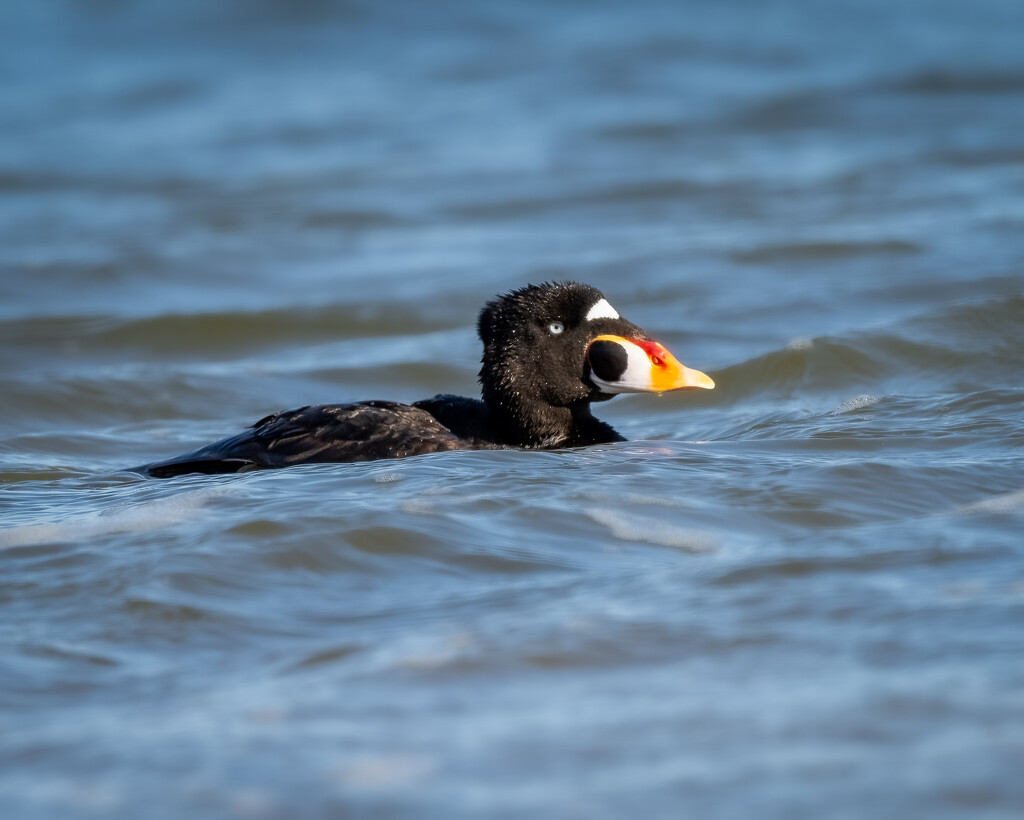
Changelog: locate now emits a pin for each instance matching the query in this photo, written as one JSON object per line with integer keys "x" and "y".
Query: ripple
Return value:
{"x": 139, "y": 517}
{"x": 631, "y": 527}
{"x": 946, "y": 81}
{"x": 778, "y": 594}
{"x": 1003, "y": 504}
{"x": 824, "y": 251}
{"x": 221, "y": 333}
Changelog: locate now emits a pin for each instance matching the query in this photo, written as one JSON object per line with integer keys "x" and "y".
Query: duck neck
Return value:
{"x": 526, "y": 422}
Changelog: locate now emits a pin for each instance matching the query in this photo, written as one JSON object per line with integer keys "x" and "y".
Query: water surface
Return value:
{"x": 801, "y": 594}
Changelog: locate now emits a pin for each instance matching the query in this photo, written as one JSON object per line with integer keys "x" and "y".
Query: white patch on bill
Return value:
{"x": 602, "y": 310}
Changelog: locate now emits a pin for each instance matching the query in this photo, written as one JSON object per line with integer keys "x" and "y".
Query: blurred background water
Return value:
{"x": 800, "y": 595}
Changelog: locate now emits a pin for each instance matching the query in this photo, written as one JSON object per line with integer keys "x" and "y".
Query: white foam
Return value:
{"x": 653, "y": 531}
{"x": 1000, "y": 504}
{"x": 142, "y": 517}
{"x": 855, "y": 404}
{"x": 381, "y": 772}
{"x": 602, "y": 310}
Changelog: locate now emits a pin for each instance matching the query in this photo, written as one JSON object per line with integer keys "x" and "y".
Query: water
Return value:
{"x": 799, "y": 595}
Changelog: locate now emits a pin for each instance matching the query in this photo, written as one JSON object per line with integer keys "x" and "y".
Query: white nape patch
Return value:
{"x": 602, "y": 310}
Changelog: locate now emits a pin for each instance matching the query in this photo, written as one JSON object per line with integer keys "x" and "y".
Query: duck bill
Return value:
{"x": 620, "y": 365}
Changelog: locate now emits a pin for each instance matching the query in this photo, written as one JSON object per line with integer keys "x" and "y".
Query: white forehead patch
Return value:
{"x": 602, "y": 310}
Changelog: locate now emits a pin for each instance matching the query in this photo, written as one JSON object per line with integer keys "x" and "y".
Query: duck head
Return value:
{"x": 552, "y": 349}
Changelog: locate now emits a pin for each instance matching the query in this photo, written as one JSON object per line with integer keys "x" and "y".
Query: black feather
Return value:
{"x": 536, "y": 394}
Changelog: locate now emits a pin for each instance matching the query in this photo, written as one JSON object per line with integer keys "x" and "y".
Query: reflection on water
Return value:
{"x": 798, "y": 594}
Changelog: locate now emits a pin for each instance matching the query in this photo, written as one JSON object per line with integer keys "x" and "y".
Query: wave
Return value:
{"x": 946, "y": 81}
{"x": 139, "y": 517}
{"x": 965, "y": 348}
{"x": 824, "y": 251}
{"x": 224, "y": 331}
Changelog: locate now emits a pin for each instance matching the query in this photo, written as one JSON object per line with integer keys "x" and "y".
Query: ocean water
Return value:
{"x": 798, "y": 595}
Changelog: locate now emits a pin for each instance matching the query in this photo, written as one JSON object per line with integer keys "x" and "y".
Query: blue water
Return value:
{"x": 798, "y": 595}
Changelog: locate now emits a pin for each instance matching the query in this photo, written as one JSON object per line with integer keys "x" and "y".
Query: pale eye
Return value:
{"x": 556, "y": 327}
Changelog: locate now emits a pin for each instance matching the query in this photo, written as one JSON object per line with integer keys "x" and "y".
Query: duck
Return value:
{"x": 549, "y": 352}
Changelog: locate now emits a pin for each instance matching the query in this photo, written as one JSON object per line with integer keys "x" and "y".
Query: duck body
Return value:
{"x": 362, "y": 431}
{"x": 549, "y": 352}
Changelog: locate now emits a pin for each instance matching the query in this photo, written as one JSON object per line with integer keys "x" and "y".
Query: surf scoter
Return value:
{"x": 549, "y": 351}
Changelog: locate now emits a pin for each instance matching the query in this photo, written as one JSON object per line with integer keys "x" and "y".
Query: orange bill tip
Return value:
{"x": 620, "y": 365}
